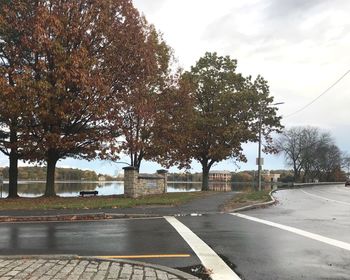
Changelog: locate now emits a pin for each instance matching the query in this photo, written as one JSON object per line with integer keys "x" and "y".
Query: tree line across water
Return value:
{"x": 74, "y": 174}
{"x": 61, "y": 174}
{"x": 335, "y": 174}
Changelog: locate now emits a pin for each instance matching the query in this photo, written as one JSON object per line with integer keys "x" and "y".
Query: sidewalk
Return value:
{"x": 204, "y": 205}
{"x": 74, "y": 268}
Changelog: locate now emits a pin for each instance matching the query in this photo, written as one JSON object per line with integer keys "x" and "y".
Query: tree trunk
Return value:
{"x": 296, "y": 177}
{"x": 50, "y": 174}
{"x": 13, "y": 168}
{"x": 138, "y": 165}
{"x": 13, "y": 174}
{"x": 306, "y": 176}
{"x": 139, "y": 160}
{"x": 205, "y": 177}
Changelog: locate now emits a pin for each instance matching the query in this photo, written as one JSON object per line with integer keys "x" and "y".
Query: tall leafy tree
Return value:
{"x": 79, "y": 55}
{"x": 140, "y": 105}
{"x": 14, "y": 17}
{"x": 227, "y": 110}
{"x": 173, "y": 120}
{"x": 154, "y": 104}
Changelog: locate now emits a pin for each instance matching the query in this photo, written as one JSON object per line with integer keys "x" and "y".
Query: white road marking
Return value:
{"x": 327, "y": 240}
{"x": 211, "y": 261}
{"x": 325, "y": 198}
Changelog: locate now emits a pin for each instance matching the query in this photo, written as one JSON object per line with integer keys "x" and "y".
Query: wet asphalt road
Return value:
{"x": 98, "y": 238}
{"x": 255, "y": 250}
{"x": 324, "y": 210}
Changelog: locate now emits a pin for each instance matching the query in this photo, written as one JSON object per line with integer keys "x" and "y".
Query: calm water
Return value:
{"x": 71, "y": 189}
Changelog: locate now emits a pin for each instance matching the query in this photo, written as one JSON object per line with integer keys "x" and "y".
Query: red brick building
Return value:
{"x": 220, "y": 176}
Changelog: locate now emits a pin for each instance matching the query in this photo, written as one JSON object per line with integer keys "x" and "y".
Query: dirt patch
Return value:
{"x": 231, "y": 205}
{"x": 245, "y": 199}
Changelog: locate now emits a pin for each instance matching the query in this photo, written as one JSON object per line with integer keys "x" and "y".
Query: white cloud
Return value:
{"x": 300, "y": 47}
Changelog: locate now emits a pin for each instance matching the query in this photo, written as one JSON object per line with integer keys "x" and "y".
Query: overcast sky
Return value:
{"x": 300, "y": 47}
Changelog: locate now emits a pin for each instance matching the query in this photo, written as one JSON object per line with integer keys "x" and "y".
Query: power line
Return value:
{"x": 318, "y": 97}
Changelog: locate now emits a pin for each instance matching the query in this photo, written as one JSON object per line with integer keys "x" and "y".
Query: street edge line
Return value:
{"x": 325, "y": 198}
{"x": 314, "y": 236}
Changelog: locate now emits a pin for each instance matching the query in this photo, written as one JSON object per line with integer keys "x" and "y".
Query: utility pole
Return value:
{"x": 1, "y": 185}
{"x": 259, "y": 160}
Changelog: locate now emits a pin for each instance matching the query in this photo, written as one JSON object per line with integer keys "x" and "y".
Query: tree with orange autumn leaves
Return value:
{"x": 13, "y": 94}
{"x": 139, "y": 109}
{"x": 76, "y": 58}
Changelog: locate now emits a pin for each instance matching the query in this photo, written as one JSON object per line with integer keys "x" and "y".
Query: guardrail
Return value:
{"x": 301, "y": 185}
{"x": 318, "y": 183}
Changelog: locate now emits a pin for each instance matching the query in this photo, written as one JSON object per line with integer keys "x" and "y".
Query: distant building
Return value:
{"x": 271, "y": 177}
{"x": 102, "y": 178}
{"x": 221, "y": 176}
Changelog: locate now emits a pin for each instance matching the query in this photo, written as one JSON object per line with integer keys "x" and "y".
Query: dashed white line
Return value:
{"x": 327, "y": 240}
{"x": 218, "y": 268}
{"x": 325, "y": 198}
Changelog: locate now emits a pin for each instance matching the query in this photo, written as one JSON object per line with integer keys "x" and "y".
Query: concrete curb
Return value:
{"x": 178, "y": 273}
{"x": 257, "y": 205}
{"x": 45, "y": 257}
{"x": 74, "y": 217}
{"x": 154, "y": 266}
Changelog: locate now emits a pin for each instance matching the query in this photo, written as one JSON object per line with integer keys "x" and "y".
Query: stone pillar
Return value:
{"x": 130, "y": 181}
{"x": 163, "y": 173}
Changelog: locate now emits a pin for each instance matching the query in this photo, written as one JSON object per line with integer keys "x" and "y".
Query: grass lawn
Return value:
{"x": 99, "y": 202}
{"x": 247, "y": 197}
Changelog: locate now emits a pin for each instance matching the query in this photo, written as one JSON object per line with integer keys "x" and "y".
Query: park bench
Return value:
{"x": 94, "y": 193}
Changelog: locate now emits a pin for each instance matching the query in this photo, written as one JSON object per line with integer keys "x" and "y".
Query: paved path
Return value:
{"x": 72, "y": 268}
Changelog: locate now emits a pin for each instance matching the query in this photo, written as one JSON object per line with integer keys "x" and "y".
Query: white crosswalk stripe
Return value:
{"x": 211, "y": 261}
